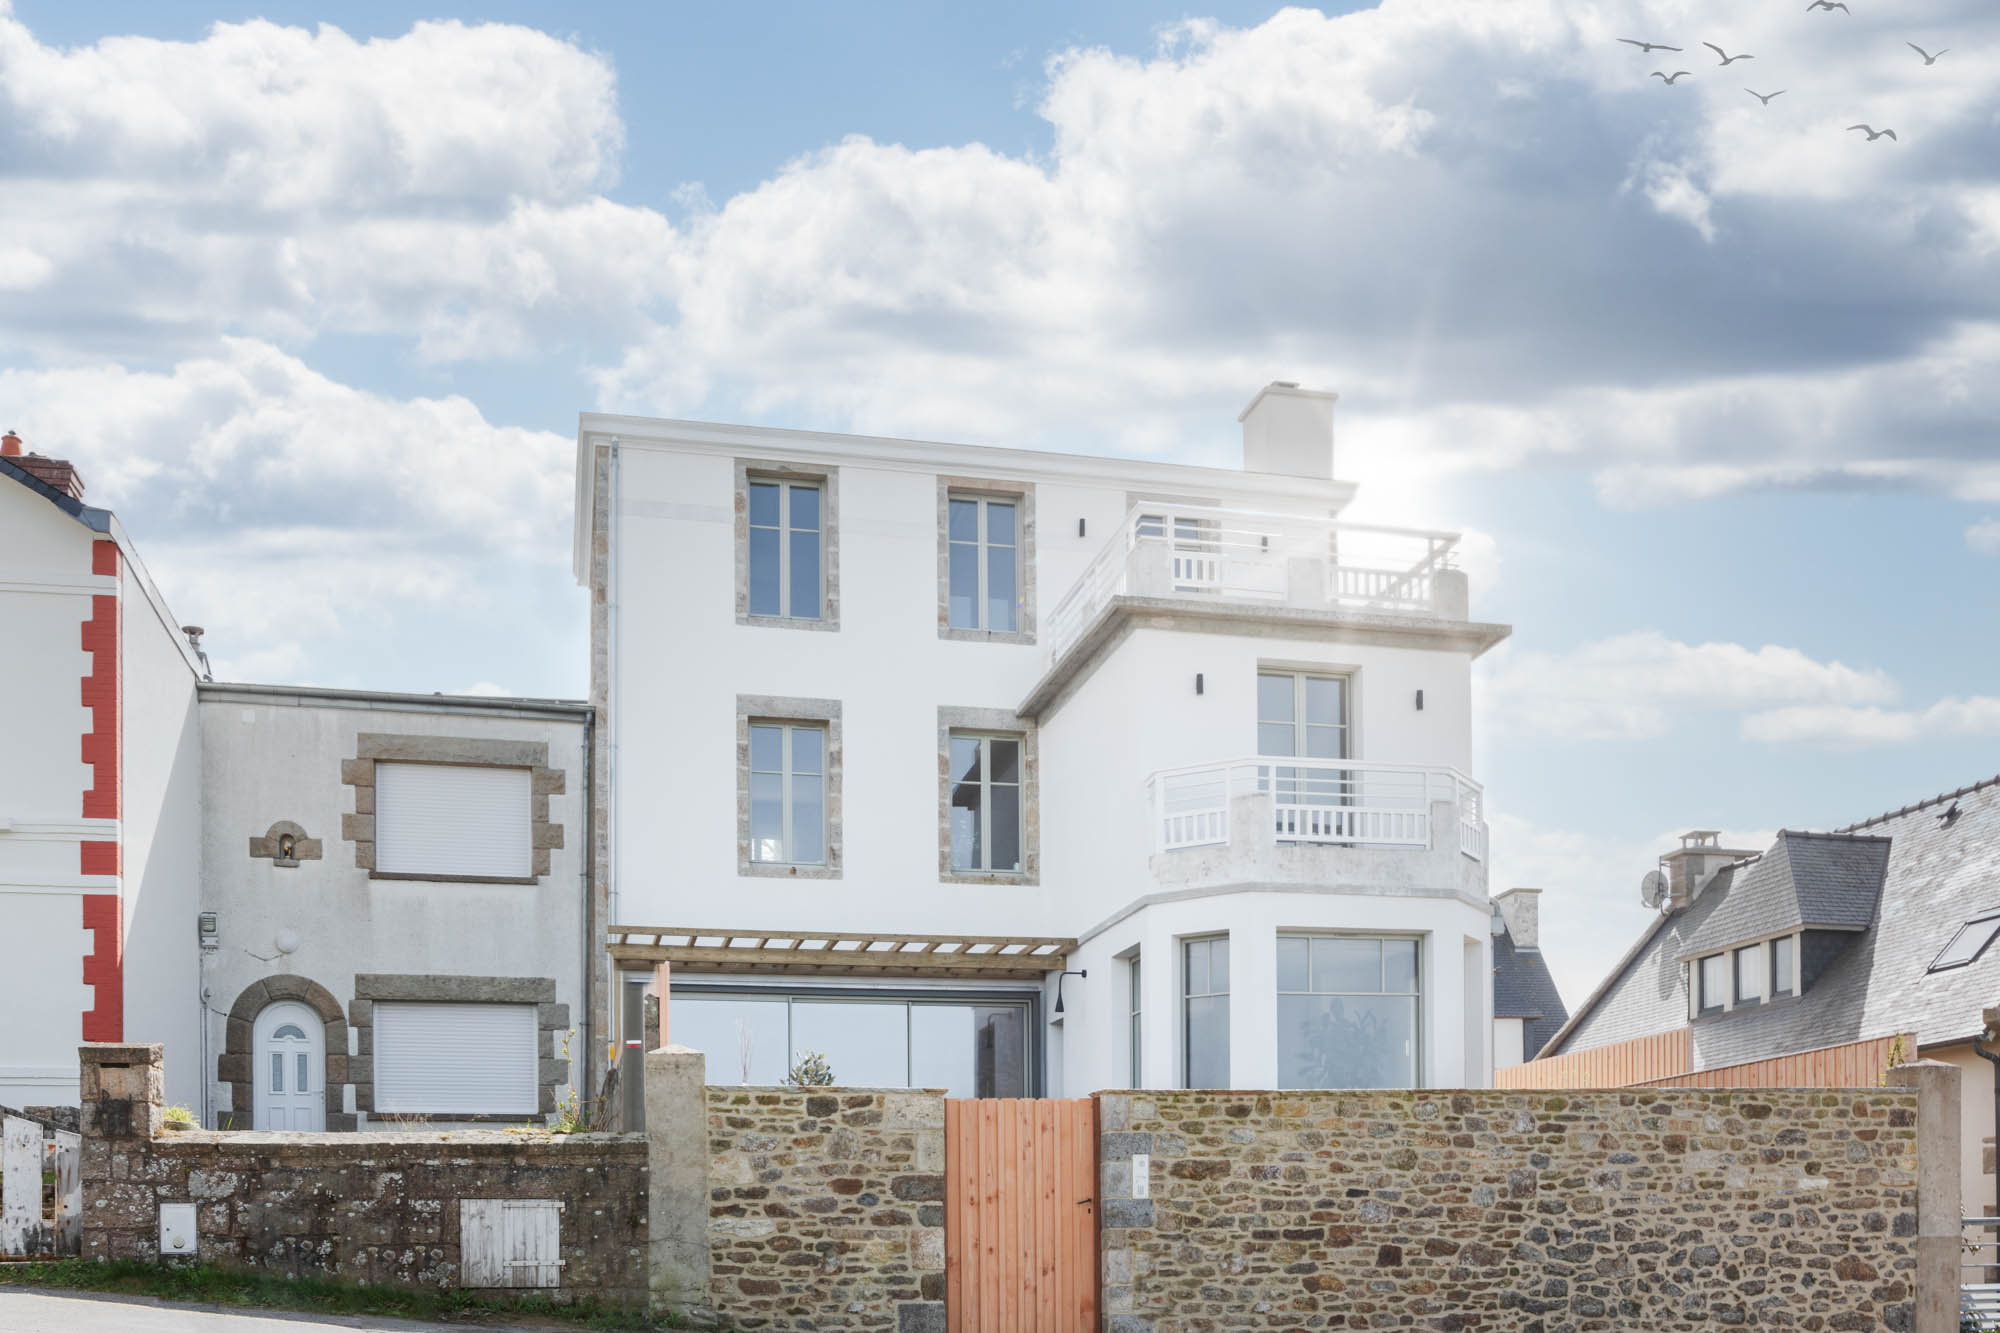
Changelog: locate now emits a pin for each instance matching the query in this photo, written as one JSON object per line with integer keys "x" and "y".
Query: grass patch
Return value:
{"x": 218, "y": 1286}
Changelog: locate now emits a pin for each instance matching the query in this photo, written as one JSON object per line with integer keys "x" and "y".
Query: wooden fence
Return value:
{"x": 41, "y": 1189}
{"x": 1020, "y": 1215}
{"x": 1666, "y": 1060}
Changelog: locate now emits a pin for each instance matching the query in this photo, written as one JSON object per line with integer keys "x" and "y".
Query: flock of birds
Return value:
{"x": 1725, "y": 59}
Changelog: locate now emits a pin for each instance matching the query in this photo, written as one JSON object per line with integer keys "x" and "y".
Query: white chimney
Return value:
{"x": 1693, "y": 864}
{"x": 1289, "y": 431}
{"x": 1522, "y": 911}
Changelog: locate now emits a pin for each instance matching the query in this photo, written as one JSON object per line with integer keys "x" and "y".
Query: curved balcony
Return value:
{"x": 1313, "y": 821}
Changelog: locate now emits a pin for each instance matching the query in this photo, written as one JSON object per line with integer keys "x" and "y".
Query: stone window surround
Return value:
{"x": 551, "y": 1019}
{"x": 234, "y": 1065}
{"x": 776, "y": 708}
{"x": 991, "y": 721}
{"x": 1023, "y": 493}
{"x": 828, "y": 480}
{"x": 303, "y": 848}
{"x": 371, "y": 747}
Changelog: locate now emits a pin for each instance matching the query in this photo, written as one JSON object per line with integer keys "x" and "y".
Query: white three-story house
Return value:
{"x": 1019, "y": 773}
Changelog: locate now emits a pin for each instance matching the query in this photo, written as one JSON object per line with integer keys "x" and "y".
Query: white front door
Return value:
{"x": 290, "y": 1062}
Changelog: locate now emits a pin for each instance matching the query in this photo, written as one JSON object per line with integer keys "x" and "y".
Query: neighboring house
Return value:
{"x": 1873, "y": 940}
{"x": 324, "y": 903}
{"x": 99, "y": 791}
{"x": 1527, "y": 1007}
{"x": 1021, "y": 773}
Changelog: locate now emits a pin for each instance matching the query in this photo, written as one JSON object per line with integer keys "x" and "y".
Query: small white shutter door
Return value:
{"x": 510, "y": 1243}
{"x": 453, "y": 819}
{"x": 456, "y": 1059}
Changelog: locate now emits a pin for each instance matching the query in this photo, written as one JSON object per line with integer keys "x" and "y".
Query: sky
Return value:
{"x": 312, "y": 295}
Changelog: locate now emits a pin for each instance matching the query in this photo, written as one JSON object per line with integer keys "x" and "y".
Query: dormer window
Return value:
{"x": 1784, "y": 966}
{"x": 1712, "y": 979}
{"x": 1750, "y": 975}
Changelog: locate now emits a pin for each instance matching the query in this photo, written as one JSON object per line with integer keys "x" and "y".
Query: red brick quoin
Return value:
{"x": 104, "y": 966}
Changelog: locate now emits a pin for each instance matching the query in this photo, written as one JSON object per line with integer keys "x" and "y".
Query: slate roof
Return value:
{"x": 1523, "y": 988}
{"x": 1936, "y": 875}
{"x": 1809, "y": 881}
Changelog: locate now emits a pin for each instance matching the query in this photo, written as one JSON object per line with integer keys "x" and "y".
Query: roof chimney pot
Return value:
{"x": 10, "y": 445}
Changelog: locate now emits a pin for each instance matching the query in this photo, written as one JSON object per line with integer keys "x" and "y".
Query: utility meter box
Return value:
{"x": 177, "y": 1228}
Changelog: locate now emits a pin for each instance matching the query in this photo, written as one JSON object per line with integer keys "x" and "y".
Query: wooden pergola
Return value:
{"x": 841, "y": 953}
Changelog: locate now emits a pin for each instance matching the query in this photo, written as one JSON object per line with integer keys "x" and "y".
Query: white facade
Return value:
{"x": 98, "y": 798}
{"x": 1153, "y": 597}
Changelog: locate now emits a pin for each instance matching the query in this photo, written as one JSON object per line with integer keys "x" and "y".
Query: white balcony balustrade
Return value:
{"x": 1301, "y": 802}
{"x": 1288, "y": 560}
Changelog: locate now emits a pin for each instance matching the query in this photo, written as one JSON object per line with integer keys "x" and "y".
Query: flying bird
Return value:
{"x": 1727, "y": 59}
{"x": 1671, "y": 77}
{"x": 1765, "y": 98}
{"x": 1648, "y": 47}
{"x": 1929, "y": 59}
{"x": 1874, "y": 134}
{"x": 1829, "y": 6}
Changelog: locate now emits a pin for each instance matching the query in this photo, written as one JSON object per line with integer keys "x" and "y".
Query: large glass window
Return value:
{"x": 1347, "y": 1012}
{"x": 1785, "y": 966}
{"x": 1134, "y": 1045}
{"x": 786, "y": 549}
{"x": 985, "y": 574}
{"x": 1205, "y": 1032}
{"x": 788, "y": 793}
{"x": 985, "y": 802}
{"x": 976, "y": 1049}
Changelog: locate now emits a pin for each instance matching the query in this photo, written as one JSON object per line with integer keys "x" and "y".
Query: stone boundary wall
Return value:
{"x": 826, "y": 1208}
{"x": 366, "y": 1208}
{"x": 1661, "y": 1209}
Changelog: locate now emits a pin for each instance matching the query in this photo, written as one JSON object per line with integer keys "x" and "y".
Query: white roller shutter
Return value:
{"x": 453, "y": 819}
{"x": 456, "y": 1059}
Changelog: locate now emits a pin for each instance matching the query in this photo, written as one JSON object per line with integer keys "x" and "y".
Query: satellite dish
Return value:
{"x": 1653, "y": 888}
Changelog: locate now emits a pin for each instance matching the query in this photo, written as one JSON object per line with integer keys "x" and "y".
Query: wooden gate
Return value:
{"x": 1020, "y": 1215}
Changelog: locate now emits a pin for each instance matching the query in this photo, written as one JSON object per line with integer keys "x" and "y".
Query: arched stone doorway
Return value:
{"x": 237, "y": 1063}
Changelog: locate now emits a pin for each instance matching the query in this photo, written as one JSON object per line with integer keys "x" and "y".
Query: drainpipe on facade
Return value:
{"x": 591, "y": 948}
{"x": 1979, "y": 1044}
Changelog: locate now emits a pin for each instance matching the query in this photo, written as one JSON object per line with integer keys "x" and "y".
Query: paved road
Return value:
{"x": 39, "y": 1312}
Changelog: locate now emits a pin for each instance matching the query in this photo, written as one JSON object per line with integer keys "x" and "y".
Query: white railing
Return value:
{"x": 1337, "y": 801}
{"x": 1237, "y": 554}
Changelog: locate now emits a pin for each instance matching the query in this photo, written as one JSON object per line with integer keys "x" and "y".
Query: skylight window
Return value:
{"x": 1970, "y": 941}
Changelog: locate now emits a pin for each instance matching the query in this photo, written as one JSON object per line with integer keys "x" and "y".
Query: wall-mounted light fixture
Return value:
{"x": 1420, "y": 701}
{"x": 1059, "y": 983}
{"x": 1197, "y": 682}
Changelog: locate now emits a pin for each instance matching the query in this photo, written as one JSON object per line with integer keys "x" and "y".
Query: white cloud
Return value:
{"x": 1978, "y": 715}
{"x": 280, "y": 507}
{"x": 1632, "y": 686}
{"x": 1984, "y": 536}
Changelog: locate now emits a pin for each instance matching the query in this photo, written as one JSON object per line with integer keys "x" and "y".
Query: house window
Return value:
{"x": 985, "y": 803}
{"x": 788, "y": 793}
{"x": 787, "y": 548}
{"x": 1750, "y": 974}
{"x": 1968, "y": 943}
{"x": 985, "y": 563}
{"x": 1347, "y": 1012}
{"x": 1712, "y": 980}
{"x": 1785, "y": 966}
{"x": 1137, "y": 1070}
{"x": 1205, "y": 1027}
{"x": 456, "y": 1059}
{"x": 454, "y": 821}
{"x": 1301, "y": 715}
